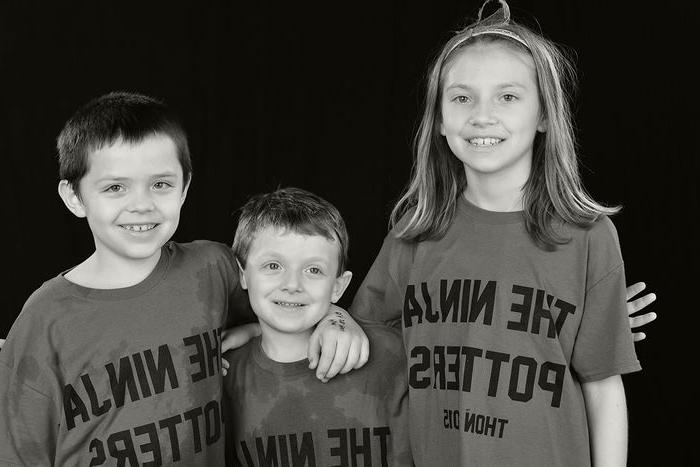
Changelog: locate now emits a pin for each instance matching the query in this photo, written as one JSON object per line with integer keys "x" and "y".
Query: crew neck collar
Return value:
{"x": 489, "y": 217}
{"x": 123, "y": 293}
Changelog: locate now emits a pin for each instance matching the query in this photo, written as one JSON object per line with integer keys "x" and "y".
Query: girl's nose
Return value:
{"x": 482, "y": 115}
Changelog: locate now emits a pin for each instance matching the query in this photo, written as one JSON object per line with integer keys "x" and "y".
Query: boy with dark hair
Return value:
{"x": 291, "y": 247}
{"x": 117, "y": 360}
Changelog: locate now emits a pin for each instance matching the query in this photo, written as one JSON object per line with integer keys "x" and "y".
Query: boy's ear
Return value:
{"x": 341, "y": 283}
{"x": 71, "y": 199}
{"x": 184, "y": 191}
{"x": 241, "y": 275}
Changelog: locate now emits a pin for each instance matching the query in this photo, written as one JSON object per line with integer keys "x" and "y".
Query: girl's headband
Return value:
{"x": 490, "y": 25}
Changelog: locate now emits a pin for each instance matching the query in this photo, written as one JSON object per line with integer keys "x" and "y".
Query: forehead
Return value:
{"x": 490, "y": 64}
{"x": 152, "y": 155}
{"x": 285, "y": 242}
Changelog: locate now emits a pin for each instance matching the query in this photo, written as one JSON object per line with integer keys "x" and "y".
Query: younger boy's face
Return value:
{"x": 292, "y": 279}
{"x": 131, "y": 196}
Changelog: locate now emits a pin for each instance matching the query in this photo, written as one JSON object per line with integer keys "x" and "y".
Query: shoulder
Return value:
{"x": 602, "y": 230}
{"x": 199, "y": 248}
{"x": 33, "y": 332}
{"x": 203, "y": 251}
{"x": 47, "y": 302}
{"x": 600, "y": 236}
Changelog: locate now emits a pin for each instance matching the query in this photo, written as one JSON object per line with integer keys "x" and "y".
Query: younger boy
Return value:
{"x": 117, "y": 361}
{"x": 291, "y": 247}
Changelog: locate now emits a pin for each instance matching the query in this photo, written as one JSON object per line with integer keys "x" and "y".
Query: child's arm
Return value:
{"x": 607, "y": 421}
{"x": 341, "y": 342}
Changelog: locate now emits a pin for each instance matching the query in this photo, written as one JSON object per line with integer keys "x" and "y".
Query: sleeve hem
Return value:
{"x": 621, "y": 369}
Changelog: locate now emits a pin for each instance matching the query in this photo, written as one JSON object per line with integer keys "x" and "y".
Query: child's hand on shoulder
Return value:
{"x": 341, "y": 343}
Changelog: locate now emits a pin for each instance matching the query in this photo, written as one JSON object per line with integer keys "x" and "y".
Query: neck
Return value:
{"x": 283, "y": 347}
{"x": 106, "y": 271}
{"x": 501, "y": 192}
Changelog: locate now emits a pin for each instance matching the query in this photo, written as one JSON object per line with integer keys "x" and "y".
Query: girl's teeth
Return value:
{"x": 484, "y": 141}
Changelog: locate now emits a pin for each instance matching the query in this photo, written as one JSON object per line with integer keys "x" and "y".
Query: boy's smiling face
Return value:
{"x": 292, "y": 279}
{"x": 131, "y": 196}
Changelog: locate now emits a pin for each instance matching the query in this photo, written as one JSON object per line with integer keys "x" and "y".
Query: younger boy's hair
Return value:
{"x": 295, "y": 210}
{"x": 116, "y": 116}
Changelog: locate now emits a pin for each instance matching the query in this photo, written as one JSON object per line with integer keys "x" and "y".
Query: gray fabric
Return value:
{"x": 123, "y": 376}
{"x": 280, "y": 414}
{"x": 499, "y": 335}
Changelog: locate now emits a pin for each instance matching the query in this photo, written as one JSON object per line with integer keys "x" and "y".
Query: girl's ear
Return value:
{"x": 71, "y": 199}
{"x": 341, "y": 283}
{"x": 542, "y": 124}
{"x": 241, "y": 275}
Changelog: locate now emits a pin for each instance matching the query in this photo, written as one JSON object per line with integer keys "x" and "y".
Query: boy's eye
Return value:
{"x": 273, "y": 266}
{"x": 315, "y": 270}
{"x": 161, "y": 185}
{"x": 510, "y": 97}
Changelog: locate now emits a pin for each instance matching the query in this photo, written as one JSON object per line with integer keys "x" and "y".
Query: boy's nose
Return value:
{"x": 292, "y": 282}
{"x": 141, "y": 201}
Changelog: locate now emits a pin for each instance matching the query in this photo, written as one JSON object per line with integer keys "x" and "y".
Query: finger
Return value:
{"x": 364, "y": 354}
{"x": 314, "y": 349}
{"x": 634, "y": 289}
{"x": 642, "y": 302}
{"x": 639, "y": 336}
{"x": 326, "y": 359}
{"x": 224, "y": 363}
{"x": 342, "y": 350}
{"x": 641, "y": 320}
{"x": 353, "y": 357}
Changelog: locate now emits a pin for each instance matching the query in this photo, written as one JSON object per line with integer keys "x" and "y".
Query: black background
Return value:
{"x": 326, "y": 96}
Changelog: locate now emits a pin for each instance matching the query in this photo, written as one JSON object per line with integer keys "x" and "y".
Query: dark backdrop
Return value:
{"x": 326, "y": 97}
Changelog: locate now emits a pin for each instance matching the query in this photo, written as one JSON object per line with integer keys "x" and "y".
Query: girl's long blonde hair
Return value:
{"x": 553, "y": 190}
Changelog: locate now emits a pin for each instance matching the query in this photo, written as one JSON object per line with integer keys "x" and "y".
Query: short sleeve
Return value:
{"x": 604, "y": 345}
{"x": 29, "y": 412}
{"x": 378, "y": 300}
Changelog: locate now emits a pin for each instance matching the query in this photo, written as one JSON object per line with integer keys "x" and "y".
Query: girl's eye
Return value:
{"x": 114, "y": 189}
{"x": 273, "y": 266}
{"x": 510, "y": 97}
{"x": 461, "y": 99}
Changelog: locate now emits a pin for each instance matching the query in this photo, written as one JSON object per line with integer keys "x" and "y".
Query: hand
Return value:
{"x": 341, "y": 342}
{"x": 233, "y": 338}
{"x": 636, "y": 305}
{"x": 2, "y": 342}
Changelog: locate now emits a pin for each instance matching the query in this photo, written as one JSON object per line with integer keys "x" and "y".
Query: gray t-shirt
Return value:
{"x": 127, "y": 376}
{"x": 280, "y": 414}
{"x": 500, "y": 334}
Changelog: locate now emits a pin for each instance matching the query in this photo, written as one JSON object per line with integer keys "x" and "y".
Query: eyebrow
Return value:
{"x": 500, "y": 86}
{"x": 117, "y": 178}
